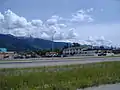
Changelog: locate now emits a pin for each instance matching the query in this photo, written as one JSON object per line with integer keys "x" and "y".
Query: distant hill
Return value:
{"x": 21, "y": 43}
{"x": 13, "y": 43}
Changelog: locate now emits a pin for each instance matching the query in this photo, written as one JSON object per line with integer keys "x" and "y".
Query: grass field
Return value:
{"x": 60, "y": 77}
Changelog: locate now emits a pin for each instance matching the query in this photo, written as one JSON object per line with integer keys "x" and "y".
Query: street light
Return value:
{"x": 53, "y": 43}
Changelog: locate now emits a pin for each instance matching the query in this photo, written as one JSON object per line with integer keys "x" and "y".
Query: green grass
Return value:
{"x": 68, "y": 77}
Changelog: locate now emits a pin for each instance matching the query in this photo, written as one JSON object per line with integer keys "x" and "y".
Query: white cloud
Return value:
{"x": 62, "y": 25}
{"x": 45, "y": 36}
{"x": 82, "y": 16}
{"x": 71, "y": 33}
{"x": 95, "y": 41}
{"x": 51, "y": 21}
{"x": 11, "y": 23}
{"x": 98, "y": 41}
{"x": 37, "y": 23}
{"x": 90, "y": 10}
{"x": 1, "y": 16}
{"x": 11, "y": 20}
{"x": 65, "y": 28}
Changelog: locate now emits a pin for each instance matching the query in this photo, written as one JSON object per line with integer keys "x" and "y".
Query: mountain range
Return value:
{"x": 13, "y": 43}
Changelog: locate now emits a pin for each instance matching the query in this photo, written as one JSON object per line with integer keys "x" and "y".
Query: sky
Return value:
{"x": 83, "y": 21}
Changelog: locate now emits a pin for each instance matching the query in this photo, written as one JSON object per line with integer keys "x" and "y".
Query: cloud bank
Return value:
{"x": 61, "y": 28}
{"x": 94, "y": 41}
{"x": 98, "y": 41}
{"x": 11, "y": 23}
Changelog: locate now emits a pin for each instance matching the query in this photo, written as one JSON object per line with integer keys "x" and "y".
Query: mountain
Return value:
{"x": 13, "y": 43}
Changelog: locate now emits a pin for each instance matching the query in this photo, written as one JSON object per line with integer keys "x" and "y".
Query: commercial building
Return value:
{"x": 4, "y": 54}
{"x": 78, "y": 51}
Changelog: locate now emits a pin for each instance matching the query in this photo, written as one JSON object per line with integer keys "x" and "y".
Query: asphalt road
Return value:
{"x": 62, "y": 61}
{"x": 104, "y": 87}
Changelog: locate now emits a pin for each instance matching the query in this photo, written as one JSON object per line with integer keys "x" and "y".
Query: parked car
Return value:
{"x": 102, "y": 54}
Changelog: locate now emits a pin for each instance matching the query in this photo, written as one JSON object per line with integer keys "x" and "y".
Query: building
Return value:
{"x": 4, "y": 54}
{"x": 50, "y": 54}
{"x": 79, "y": 51}
{"x": 3, "y": 50}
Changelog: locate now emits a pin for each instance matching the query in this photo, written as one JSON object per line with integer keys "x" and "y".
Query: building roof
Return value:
{"x": 73, "y": 48}
{"x": 3, "y": 50}
{"x": 86, "y": 48}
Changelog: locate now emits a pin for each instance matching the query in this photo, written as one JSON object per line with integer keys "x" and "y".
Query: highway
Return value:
{"x": 61, "y": 61}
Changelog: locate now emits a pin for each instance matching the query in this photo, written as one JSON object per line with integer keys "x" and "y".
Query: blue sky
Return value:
{"x": 43, "y": 9}
{"x": 106, "y": 14}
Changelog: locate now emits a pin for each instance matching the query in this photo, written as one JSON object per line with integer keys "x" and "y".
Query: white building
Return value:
{"x": 8, "y": 55}
{"x": 78, "y": 51}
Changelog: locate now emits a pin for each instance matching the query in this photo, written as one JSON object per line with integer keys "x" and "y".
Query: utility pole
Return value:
{"x": 53, "y": 43}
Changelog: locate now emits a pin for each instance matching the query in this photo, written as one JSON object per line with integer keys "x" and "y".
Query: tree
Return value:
{"x": 66, "y": 46}
{"x": 59, "y": 51}
{"x": 102, "y": 47}
{"x": 75, "y": 45}
{"x": 111, "y": 47}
